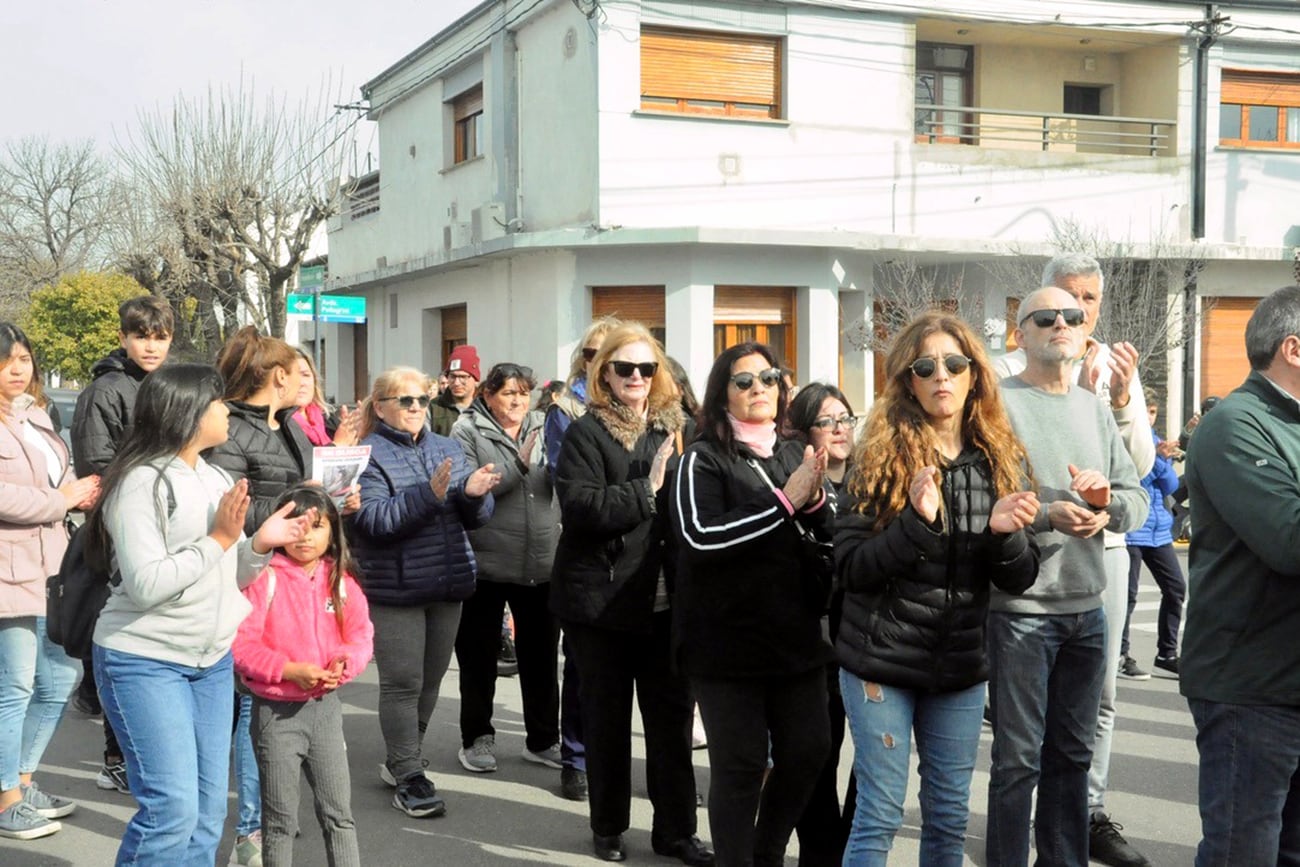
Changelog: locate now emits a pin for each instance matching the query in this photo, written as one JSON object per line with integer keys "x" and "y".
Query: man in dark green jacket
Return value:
{"x": 462, "y": 386}
{"x": 1240, "y": 667}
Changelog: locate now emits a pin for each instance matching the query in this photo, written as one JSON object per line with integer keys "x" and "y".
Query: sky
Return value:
{"x": 85, "y": 69}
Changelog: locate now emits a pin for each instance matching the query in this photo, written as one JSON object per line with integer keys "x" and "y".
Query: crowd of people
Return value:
{"x": 761, "y": 556}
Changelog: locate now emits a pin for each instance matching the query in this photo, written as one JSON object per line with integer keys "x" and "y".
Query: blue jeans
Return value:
{"x": 36, "y": 678}
{"x": 1249, "y": 783}
{"x": 1046, "y": 672}
{"x": 881, "y": 720}
{"x": 173, "y": 723}
{"x": 248, "y": 783}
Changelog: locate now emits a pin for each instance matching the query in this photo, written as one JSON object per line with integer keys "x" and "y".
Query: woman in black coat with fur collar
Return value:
{"x": 612, "y": 595}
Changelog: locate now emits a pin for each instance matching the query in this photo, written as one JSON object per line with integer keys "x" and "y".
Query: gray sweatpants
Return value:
{"x": 290, "y": 738}
{"x": 413, "y": 647}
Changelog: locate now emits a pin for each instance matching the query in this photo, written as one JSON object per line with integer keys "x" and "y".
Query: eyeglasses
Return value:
{"x": 826, "y": 422}
{"x": 745, "y": 381}
{"x": 1073, "y": 317}
{"x": 924, "y": 368}
{"x": 460, "y": 377}
{"x": 589, "y": 353}
{"x": 624, "y": 369}
{"x": 409, "y": 401}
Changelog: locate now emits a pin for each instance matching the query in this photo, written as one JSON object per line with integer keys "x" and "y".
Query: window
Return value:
{"x": 1079, "y": 99}
{"x": 644, "y": 304}
{"x": 1260, "y": 109}
{"x": 718, "y": 74}
{"x": 455, "y": 331}
{"x": 943, "y": 77}
{"x": 760, "y": 313}
{"x": 467, "y": 114}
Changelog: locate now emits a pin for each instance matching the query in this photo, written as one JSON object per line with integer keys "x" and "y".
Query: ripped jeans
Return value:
{"x": 882, "y": 720}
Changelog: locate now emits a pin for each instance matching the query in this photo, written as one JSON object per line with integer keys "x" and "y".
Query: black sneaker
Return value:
{"x": 1129, "y": 668}
{"x": 417, "y": 797}
{"x": 1107, "y": 845}
{"x": 1168, "y": 663}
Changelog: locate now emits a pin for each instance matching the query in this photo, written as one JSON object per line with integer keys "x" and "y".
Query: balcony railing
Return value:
{"x": 363, "y": 195}
{"x": 1047, "y": 131}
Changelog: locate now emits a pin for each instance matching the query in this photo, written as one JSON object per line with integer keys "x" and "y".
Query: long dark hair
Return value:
{"x": 713, "y": 409}
{"x": 10, "y": 336}
{"x": 305, "y": 497}
{"x": 168, "y": 410}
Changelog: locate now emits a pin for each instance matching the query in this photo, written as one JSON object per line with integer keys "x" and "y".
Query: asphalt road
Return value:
{"x": 516, "y": 815}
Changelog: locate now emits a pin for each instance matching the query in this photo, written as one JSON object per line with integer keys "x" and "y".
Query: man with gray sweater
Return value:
{"x": 1047, "y": 647}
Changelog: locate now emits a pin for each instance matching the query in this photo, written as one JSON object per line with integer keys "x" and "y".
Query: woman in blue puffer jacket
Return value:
{"x": 1153, "y": 544}
{"x": 419, "y": 495}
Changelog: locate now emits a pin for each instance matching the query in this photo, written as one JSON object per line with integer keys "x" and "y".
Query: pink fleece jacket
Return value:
{"x": 298, "y": 625}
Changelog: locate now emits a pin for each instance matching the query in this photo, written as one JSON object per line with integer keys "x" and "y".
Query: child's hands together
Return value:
{"x": 309, "y": 677}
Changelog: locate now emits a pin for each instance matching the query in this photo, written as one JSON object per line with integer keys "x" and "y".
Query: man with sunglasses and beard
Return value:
{"x": 462, "y": 386}
{"x": 1111, "y": 373}
{"x": 1047, "y": 647}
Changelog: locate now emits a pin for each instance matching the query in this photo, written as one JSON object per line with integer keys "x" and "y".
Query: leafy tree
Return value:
{"x": 73, "y": 323}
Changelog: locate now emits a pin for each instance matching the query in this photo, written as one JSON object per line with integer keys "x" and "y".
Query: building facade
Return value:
{"x": 733, "y": 170}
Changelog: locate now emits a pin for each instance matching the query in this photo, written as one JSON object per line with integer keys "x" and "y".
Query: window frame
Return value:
{"x": 965, "y": 76}
{"x": 467, "y": 122}
{"x": 1260, "y": 91}
{"x": 668, "y": 55}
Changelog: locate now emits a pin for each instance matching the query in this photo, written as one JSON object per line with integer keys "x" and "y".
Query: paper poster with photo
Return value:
{"x": 338, "y": 469}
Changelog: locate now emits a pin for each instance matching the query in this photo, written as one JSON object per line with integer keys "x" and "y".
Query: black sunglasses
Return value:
{"x": 589, "y": 352}
{"x": 407, "y": 401}
{"x": 745, "y": 381}
{"x": 624, "y": 369}
{"x": 1073, "y": 316}
{"x": 506, "y": 370}
{"x": 924, "y": 368}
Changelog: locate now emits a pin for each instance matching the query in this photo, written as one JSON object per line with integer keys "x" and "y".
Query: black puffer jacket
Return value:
{"x": 745, "y": 604}
{"x": 917, "y": 593}
{"x": 103, "y": 416}
{"x": 271, "y": 460}
{"x": 611, "y": 547}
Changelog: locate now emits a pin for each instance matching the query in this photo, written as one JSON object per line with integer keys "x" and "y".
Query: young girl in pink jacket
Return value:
{"x": 309, "y": 633}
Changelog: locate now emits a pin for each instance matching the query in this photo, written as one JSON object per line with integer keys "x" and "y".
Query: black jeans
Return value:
{"x": 823, "y": 829}
{"x": 537, "y": 637}
{"x": 743, "y": 716}
{"x": 609, "y": 664}
{"x": 1163, "y": 563}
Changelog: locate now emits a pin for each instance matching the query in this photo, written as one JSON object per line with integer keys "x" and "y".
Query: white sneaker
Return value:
{"x": 549, "y": 756}
{"x": 480, "y": 756}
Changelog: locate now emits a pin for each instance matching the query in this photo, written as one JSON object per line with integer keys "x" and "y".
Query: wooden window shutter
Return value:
{"x": 1224, "y": 365}
{"x": 1260, "y": 88}
{"x": 644, "y": 304}
{"x": 468, "y": 103}
{"x": 772, "y": 305}
{"x": 709, "y": 72}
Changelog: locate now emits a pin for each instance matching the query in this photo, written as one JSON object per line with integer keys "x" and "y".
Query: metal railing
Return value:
{"x": 1047, "y": 131}
{"x": 363, "y": 195}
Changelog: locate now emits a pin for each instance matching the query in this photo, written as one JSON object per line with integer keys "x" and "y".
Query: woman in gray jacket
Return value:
{"x": 514, "y": 550}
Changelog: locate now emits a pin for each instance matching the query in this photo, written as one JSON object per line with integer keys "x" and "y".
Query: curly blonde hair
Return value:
{"x": 899, "y": 440}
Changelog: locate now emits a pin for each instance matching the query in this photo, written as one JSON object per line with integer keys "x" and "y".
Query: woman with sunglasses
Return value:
{"x": 419, "y": 496}
{"x": 938, "y": 507}
{"x": 821, "y": 416}
{"x": 612, "y": 593}
{"x": 515, "y": 551}
{"x": 747, "y": 627}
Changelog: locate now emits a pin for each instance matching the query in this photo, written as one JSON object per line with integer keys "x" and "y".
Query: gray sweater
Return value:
{"x": 1059, "y": 430}
{"x": 178, "y": 600}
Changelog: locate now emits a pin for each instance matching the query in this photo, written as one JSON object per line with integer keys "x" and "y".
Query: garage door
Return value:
{"x": 1223, "y": 345}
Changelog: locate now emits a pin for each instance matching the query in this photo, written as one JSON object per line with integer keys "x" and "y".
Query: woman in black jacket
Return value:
{"x": 747, "y": 624}
{"x": 612, "y": 595}
{"x": 937, "y": 509}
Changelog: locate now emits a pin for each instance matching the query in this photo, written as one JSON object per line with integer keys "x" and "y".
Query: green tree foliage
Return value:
{"x": 73, "y": 323}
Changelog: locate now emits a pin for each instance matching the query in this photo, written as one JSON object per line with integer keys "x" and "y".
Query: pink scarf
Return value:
{"x": 312, "y": 421}
{"x": 759, "y": 437}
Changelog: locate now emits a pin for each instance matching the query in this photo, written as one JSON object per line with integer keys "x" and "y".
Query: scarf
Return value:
{"x": 312, "y": 421}
{"x": 758, "y": 437}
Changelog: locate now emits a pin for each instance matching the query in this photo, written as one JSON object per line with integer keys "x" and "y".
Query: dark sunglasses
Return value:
{"x": 506, "y": 370}
{"x": 826, "y": 422}
{"x": 408, "y": 401}
{"x": 624, "y": 369}
{"x": 1073, "y": 316}
{"x": 745, "y": 381}
{"x": 589, "y": 352}
{"x": 924, "y": 368}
